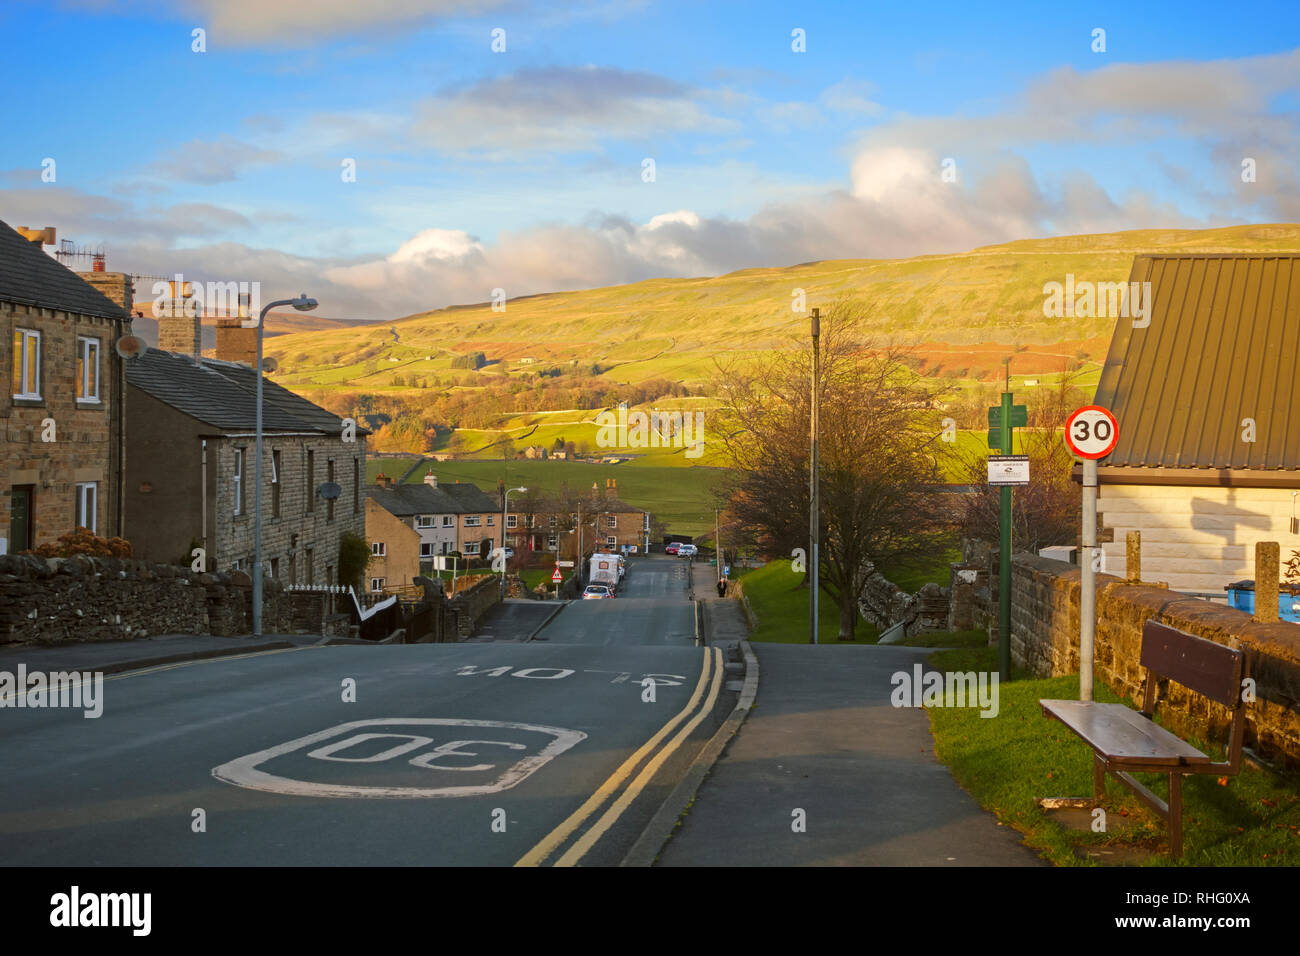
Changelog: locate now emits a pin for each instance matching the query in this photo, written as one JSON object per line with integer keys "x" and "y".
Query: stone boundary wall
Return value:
{"x": 50, "y": 600}
{"x": 473, "y": 603}
{"x": 1045, "y": 641}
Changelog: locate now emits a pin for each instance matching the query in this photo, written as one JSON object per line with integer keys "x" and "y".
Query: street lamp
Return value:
{"x": 505, "y": 509}
{"x": 302, "y": 304}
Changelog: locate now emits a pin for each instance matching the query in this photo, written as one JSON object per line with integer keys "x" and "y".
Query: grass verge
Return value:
{"x": 1252, "y": 819}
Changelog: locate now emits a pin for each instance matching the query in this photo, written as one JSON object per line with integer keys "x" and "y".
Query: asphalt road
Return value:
{"x": 454, "y": 754}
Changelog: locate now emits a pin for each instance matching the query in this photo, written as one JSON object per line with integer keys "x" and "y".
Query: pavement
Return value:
{"x": 823, "y": 747}
{"x": 111, "y": 657}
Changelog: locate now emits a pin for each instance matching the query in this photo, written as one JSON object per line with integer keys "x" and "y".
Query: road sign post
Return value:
{"x": 1091, "y": 432}
{"x": 1001, "y": 421}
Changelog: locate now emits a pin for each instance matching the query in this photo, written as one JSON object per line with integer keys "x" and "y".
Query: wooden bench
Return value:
{"x": 1124, "y": 740}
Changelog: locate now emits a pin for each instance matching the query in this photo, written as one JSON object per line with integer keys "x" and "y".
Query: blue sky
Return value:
{"x": 522, "y": 169}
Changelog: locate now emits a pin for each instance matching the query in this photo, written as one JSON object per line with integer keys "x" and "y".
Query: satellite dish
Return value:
{"x": 330, "y": 490}
{"x": 129, "y": 346}
{"x": 269, "y": 365}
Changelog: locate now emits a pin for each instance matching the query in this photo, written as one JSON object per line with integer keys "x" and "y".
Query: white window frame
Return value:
{"x": 425, "y": 521}
{"x": 449, "y": 521}
{"x": 28, "y": 376}
{"x": 471, "y": 549}
{"x": 611, "y": 521}
{"x": 473, "y": 521}
{"x": 88, "y": 344}
{"x": 87, "y": 505}
{"x": 553, "y": 521}
{"x": 491, "y": 520}
{"x": 512, "y": 521}
{"x": 611, "y": 541}
{"x": 379, "y": 549}
{"x": 426, "y": 549}
{"x": 239, "y": 481}
{"x": 377, "y": 585}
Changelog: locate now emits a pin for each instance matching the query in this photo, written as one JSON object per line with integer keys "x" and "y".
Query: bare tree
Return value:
{"x": 879, "y": 451}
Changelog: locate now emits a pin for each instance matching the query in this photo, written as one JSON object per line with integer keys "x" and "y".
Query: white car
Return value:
{"x": 595, "y": 592}
{"x": 687, "y": 550}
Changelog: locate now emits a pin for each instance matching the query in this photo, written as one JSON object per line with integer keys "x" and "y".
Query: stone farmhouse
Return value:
{"x": 1207, "y": 397}
{"x": 62, "y": 416}
{"x": 190, "y": 467}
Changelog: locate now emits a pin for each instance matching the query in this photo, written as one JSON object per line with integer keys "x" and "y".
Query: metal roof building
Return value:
{"x": 1211, "y": 365}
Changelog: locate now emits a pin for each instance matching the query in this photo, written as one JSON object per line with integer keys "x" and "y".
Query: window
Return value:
{"x": 275, "y": 568}
{"x": 471, "y": 547}
{"x": 376, "y": 585}
{"x": 552, "y": 521}
{"x": 471, "y": 521}
{"x": 491, "y": 518}
{"x": 236, "y": 565}
{"x": 512, "y": 521}
{"x": 378, "y": 549}
{"x": 27, "y": 363}
{"x": 424, "y": 521}
{"x": 87, "y": 369}
{"x": 448, "y": 521}
{"x": 329, "y": 505}
{"x": 87, "y": 506}
{"x": 611, "y": 541}
{"x": 308, "y": 567}
{"x": 531, "y": 520}
{"x": 611, "y": 522}
{"x": 309, "y": 474}
{"x": 239, "y": 481}
{"x": 426, "y": 549}
{"x": 275, "y": 484}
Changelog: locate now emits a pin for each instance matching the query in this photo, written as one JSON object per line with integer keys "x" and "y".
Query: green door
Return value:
{"x": 20, "y": 518}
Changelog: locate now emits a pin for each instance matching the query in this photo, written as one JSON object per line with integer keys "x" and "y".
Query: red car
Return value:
{"x": 672, "y": 547}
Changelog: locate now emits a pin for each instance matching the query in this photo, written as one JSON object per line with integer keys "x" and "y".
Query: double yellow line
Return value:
{"x": 711, "y": 678}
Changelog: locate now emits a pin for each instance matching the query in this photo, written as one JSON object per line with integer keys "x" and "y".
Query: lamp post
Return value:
{"x": 302, "y": 304}
{"x": 505, "y": 509}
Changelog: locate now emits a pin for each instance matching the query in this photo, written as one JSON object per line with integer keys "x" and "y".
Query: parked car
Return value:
{"x": 671, "y": 547}
{"x": 688, "y": 550}
{"x": 595, "y": 592}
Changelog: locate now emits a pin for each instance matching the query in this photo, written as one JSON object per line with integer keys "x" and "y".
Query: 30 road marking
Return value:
{"x": 556, "y": 837}
{"x": 610, "y": 817}
{"x": 244, "y": 772}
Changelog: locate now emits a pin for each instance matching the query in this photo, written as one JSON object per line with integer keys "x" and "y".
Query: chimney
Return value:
{"x": 595, "y": 490}
{"x": 236, "y": 343}
{"x": 178, "y": 330}
{"x": 114, "y": 285}
{"x": 383, "y": 481}
{"x": 431, "y": 480}
{"x": 42, "y": 237}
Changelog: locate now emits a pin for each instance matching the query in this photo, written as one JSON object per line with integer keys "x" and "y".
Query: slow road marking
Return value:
{"x": 329, "y": 746}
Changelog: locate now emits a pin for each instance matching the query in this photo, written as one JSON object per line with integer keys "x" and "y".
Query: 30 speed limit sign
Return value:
{"x": 1091, "y": 432}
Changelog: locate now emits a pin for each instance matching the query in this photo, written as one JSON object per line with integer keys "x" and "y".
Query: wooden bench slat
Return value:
{"x": 1123, "y": 735}
{"x": 1211, "y": 669}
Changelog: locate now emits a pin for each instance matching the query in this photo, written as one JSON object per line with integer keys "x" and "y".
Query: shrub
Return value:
{"x": 354, "y": 555}
{"x": 83, "y": 541}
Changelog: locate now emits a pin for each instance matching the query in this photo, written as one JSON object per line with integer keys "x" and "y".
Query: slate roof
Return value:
{"x": 224, "y": 395}
{"x": 1221, "y": 347}
{"x": 470, "y": 499}
{"x": 29, "y": 277}
{"x": 404, "y": 501}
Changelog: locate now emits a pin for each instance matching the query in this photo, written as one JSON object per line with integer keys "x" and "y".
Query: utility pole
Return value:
{"x": 814, "y": 509}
